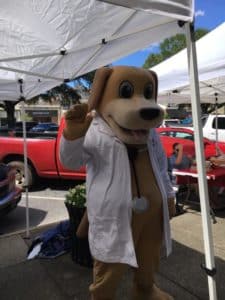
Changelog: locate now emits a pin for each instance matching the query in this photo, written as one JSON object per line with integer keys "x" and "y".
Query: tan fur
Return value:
{"x": 130, "y": 119}
{"x": 125, "y": 113}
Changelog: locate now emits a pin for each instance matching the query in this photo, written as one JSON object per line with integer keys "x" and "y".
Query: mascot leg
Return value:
{"x": 106, "y": 278}
{"x": 147, "y": 233}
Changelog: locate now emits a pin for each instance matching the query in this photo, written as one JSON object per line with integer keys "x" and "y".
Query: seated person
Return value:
{"x": 217, "y": 194}
{"x": 218, "y": 160}
{"x": 179, "y": 160}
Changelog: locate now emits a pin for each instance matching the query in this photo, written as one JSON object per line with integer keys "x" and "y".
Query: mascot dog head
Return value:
{"x": 125, "y": 97}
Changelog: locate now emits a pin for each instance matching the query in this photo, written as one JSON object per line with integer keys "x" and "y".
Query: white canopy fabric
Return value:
{"x": 173, "y": 8}
{"x": 173, "y": 72}
{"x": 44, "y": 42}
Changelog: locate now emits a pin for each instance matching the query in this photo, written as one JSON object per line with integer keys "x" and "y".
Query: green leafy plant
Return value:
{"x": 77, "y": 196}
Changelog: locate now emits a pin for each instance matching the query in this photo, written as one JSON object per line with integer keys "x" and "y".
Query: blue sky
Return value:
{"x": 208, "y": 14}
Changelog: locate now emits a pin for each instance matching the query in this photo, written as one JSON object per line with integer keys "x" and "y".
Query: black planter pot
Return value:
{"x": 80, "y": 246}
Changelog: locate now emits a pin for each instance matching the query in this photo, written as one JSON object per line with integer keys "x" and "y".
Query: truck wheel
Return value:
{"x": 20, "y": 173}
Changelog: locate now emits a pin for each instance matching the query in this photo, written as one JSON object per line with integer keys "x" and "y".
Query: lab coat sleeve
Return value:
{"x": 71, "y": 153}
{"x": 163, "y": 166}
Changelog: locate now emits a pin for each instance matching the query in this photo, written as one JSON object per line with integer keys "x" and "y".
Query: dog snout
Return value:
{"x": 149, "y": 113}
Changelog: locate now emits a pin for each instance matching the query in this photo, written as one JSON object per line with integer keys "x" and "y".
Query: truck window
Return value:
{"x": 184, "y": 135}
{"x": 221, "y": 123}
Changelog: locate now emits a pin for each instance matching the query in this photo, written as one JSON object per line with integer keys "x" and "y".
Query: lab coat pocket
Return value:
{"x": 105, "y": 233}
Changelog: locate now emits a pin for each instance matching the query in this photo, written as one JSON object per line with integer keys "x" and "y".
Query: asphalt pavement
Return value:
{"x": 59, "y": 279}
{"x": 46, "y": 206}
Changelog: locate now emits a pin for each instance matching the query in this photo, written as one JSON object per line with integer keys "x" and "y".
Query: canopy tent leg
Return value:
{"x": 216, "y": 106}
{"x": 26, "y": 173}
{"x": 202, "y": 181}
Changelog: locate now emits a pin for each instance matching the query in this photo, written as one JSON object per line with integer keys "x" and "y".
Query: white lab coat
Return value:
{"x": 108, "y": 185}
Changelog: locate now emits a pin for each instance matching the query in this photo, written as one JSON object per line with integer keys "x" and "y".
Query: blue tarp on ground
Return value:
{"x": 52, "y": 243}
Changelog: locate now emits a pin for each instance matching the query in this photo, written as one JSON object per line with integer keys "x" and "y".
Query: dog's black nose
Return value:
{"x": 149, "y": 113}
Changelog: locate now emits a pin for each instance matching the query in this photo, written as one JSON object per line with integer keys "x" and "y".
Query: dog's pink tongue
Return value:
{"x": 138, "y": 134}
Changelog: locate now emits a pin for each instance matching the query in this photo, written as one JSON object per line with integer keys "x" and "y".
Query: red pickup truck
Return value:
{"x": 42, "y": 156}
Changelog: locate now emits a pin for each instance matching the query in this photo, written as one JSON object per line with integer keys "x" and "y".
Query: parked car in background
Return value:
{"x": 10, "y": 194}
{"x": 17, "y": 130}
{"x": 52, "y": 129}
{"x": 28, "y": 125}
{"x": 43, "y": 153}
{"x": 42, "y": 127}
{"x": 185, "y": 136}
{"x": 170, "y": 122}
{"x": 211, "y": 123}
{"x": 42, "y": 156}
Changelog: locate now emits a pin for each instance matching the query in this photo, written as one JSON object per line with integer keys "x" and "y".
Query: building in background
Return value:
{"x": 43, "y": 112}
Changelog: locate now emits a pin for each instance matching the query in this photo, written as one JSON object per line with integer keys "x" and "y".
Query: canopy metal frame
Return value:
{"x": 202, "y": 181}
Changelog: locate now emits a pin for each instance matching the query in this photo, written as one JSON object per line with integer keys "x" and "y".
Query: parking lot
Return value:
{"x": 61, "y": 279}
{"x": 46, "y": 206}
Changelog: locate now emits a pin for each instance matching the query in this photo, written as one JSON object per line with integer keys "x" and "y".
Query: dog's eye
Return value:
{"x": 126, "y": 90}
{"x": 148, "y": 91}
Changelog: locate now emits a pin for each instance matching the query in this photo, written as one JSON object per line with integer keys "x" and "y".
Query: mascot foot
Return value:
{"x": 157, "y": 294}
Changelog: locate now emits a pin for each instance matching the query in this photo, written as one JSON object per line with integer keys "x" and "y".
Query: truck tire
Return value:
{"x": 20, "y": 173}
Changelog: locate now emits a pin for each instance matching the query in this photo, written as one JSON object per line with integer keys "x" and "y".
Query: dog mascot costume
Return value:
{"x": 129, "y": 195}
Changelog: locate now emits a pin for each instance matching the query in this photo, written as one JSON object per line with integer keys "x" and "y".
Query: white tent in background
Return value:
{"x": 173, "y": 74}
{"x": 45, "y": 42}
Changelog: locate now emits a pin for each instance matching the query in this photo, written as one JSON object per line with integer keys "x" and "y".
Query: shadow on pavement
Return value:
{"x": 55, "y": 184}
{"x": 61, "y": 279}
{"x": 184, "y": 268}
{"x": 16, "y": 220}
{"x": 220, "y": 213}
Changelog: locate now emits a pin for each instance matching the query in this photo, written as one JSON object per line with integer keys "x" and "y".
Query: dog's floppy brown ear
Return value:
{"x": 156, "y": 83}
{"x": 97, "y": 89}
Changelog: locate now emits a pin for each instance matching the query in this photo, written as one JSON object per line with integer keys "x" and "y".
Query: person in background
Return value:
{"x": 216, "y": 194}
{"x": 178, "y": 160}
{"x": 219, "y": 159}
{"x": 187, "y": 120}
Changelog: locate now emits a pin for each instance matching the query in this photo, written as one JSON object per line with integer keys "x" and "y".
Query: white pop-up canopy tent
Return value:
{"x": 46, "y": 42}
{"x": 173, "y": 74}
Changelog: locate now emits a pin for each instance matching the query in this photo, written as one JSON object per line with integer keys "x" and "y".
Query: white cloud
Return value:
{"x": 199, "y": 13}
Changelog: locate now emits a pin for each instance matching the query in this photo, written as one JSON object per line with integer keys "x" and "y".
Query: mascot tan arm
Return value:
{"x": 77, "y": 122}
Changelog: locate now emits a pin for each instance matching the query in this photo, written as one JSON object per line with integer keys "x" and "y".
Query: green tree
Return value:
{"x": 170, "y": 47}
{"x": 152, "y": 60}
{"x": 208, "y": 108}
{"x": 9, "y": 108}
{"x": 63, "y": 94}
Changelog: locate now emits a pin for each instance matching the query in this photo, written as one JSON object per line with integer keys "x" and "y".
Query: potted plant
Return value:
{"x": 76, "y": 196}
{"x": 76, "y": 205}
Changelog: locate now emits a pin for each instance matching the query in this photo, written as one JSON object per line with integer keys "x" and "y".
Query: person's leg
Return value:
{"x": 216, "y": 198}
{"x": 147, "y": 232}
{"x": 144, "y": 287}
{"x": 148, "y": 254}
{"x": 106, "y": 277}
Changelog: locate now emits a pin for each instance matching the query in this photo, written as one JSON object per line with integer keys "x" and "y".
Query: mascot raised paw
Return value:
{"x": 129, "y": 194}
